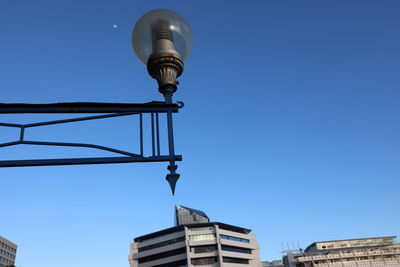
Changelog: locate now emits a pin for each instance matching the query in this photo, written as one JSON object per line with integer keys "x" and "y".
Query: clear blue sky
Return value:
{"x": 291, "y": 124}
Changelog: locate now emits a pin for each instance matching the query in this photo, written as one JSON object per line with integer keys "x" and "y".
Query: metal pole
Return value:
{"x": 158, "y": 134}
{"x": 153, "y": 147}
{"x": 168, "y": 100}
{"x": 172, "y": 177}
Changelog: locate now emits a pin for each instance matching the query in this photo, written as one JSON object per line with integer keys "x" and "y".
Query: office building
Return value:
{"x": 193, "y": 242}
{"x": 362, "y": 252}
{"x": 8, "y": 252}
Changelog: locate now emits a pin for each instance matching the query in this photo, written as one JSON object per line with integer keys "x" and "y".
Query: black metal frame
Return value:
{"x": 111, "y": 110}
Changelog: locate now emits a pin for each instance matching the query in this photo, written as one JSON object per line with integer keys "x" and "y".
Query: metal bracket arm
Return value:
{"x": 82, "y": 161}
{"x": 106, "y": 110}
{"x": 89, "y": 107}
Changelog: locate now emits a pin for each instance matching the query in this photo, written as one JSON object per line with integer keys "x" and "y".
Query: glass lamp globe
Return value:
{"x": 161, "y": 24}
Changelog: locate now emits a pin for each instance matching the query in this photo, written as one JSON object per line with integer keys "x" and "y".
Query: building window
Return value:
{"x": 204, "y": 261}
{"x": 233, "y": 229}
{"x": 203, "y": 249}
{"x": 151, "y": 237}
{"x": 162, "y": 255}
{"x": 202, "y": 237}
{"x": 235, "y": 260}
{"x": 173, "y": 264}
{"x": 162, "y": 244}
{"x": 207, "y": 228}
{"x": 236, "y": 249}
{"x": 228, "y": 237}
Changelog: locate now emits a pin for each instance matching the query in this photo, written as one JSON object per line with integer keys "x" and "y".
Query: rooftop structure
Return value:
{"x": 184, "y": 215}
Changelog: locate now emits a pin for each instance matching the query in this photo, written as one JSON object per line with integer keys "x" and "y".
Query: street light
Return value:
{"x": 162, "y": 40}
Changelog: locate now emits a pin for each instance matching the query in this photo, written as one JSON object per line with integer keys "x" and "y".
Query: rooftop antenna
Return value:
{"x": 283, "y": 248}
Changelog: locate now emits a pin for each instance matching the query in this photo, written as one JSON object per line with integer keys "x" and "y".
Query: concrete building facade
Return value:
{"x": 209, "y": 244}
{"x": 8, "y": 252}
{"x": 362, "y": 252}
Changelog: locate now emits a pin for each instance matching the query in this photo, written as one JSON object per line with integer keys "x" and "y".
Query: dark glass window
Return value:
{"x": 152, "y": 236}
{"x": 228, "y": 237}
{"x": 204, "y": 261}
{"x": 233, "y": 229}
{"x": 162, "y": 244}
{"x": 236, "y": 249}
{"x": 186, "y": 215}
{"x": 163, "y": 255}
{"x": 203, "y": 249}
{"x": 235, "y": 260}
{"x": 205, "y": 228}
{"x": 173, "y": 264}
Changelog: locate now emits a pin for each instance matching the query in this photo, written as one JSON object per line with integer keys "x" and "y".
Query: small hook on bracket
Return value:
{"x": 180, "y": 104}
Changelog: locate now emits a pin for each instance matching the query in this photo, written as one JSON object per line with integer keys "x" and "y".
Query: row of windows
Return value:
{"x": 233, "y": 229}
{"x": 139, "y": 239}
{"x": 163, "y": 255}
{"x": 203, "y": 249}
{"x": 197, "y": 238}
{"x": 173, "y": 264}
{"x": 197, "y": 261}
{"x": 228, "y": 237}
{"x": 212, "y": 237}
{"x": 212, "y": 260}
{"x": 357, "y": 259}
{"x": 206, "y": 228}
{"x": 202, "y": 237}
{"x": 223, "y": 227}
{"x": 236, "y": 249}
{"x": 6, "y": 261}
{"x": 162, "y": 244}
{"x": 358, "y": 243}
{"x": 235, "y": 260}
{"x": 204, "y": 261}
{"x": 5, "y": 253}
{"x": 212, "y": 248}
{"x": 4, "y": 245}
{"x": 373, "y": 250}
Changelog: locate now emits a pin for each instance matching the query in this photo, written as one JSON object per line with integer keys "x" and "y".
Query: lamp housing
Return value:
{"x": 162, "y": 40}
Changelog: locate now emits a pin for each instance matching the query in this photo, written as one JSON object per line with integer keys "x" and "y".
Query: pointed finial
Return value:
{"x": 172, "y": 179}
